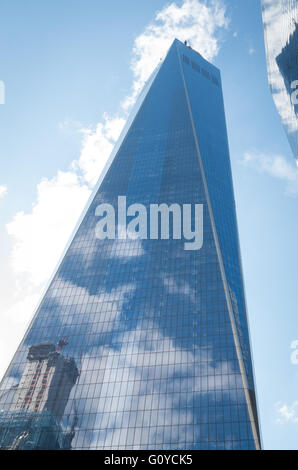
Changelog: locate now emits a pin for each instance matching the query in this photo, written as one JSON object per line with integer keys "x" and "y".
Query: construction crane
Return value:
{"x": 62, "y": 342}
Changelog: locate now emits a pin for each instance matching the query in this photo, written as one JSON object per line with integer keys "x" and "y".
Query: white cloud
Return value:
{"x": 145, "y": 347}
{"x": 96, "y": 148}
{"x": 40, "y": 235}
{"x": 276, "y": 166}
{"x": 3, "y": 191}
{"x": 196, "y": 21}
{"x": 125, "y": 248}
{"x": 286, "y": 413}
{"x": 116, "y": 297}
{"x": 180, "y": 289}
{"x": 14, "y": 319}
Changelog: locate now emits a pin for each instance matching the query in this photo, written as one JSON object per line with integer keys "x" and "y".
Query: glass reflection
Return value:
{"x": 151, "y": 360}
{"x": 281, "y": 33}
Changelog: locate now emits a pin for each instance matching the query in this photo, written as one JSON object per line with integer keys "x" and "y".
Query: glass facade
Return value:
{"x": 280, "y": 20}
{"x": 139, "y": 343}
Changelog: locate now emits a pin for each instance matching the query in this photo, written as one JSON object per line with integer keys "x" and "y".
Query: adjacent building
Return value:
{"x": 280, "y": 20}
{"x": 159, "y": 331}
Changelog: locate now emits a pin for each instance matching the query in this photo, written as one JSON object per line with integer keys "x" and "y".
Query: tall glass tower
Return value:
{"x": 280, "y": 18}
{"x": 139, "y": 343}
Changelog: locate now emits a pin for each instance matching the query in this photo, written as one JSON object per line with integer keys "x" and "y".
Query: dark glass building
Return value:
{"x": 280, "y": 19}
{"x": 140, "y": 343}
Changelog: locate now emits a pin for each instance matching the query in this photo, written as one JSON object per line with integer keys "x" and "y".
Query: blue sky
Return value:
{"x": 68, "y": 68}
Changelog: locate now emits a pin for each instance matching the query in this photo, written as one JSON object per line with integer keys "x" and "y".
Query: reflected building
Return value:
{"x": 280, "y": 20}
{"x": 39, "y": 401}
{"x": 160, "y": 332}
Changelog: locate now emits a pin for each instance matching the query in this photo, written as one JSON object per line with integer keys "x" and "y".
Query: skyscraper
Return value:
{"x": 155, "y": 326}
{"x": 280, "y": 20}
